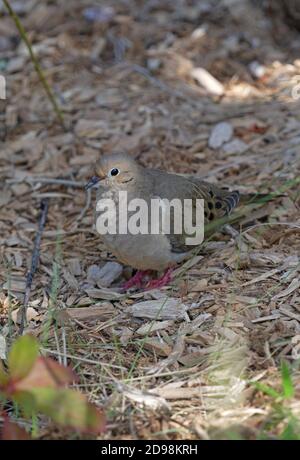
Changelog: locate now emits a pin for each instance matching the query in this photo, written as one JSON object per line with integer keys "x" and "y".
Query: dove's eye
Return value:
{"x": 114, "y": 172}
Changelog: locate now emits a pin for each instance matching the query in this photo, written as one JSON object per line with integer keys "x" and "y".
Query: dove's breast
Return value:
{"x": 142, "y": 251}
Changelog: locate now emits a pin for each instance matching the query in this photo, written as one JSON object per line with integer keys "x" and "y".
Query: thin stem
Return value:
{"x": 35, "y": 62}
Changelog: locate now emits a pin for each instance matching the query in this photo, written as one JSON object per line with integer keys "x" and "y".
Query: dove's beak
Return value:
{"x": 92, "y": 182}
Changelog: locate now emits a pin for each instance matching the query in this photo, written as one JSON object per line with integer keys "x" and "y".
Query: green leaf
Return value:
{"x": 267, "y": 390}
{"x": 22, "y": 357}
{"x": 26, "y": 402}
{"x": 287, "y": 383}
{"x": 69, "y": 408}
{"x": 37, "y": 384}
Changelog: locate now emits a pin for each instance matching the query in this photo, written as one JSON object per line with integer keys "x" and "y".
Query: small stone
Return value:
{"x": 235, "y": 146}
{"x": 109, "y": 273}
{"x": 205, "y": 79}
{"x": 220, "y": 134}
{"x": 101, "y": 14}
{"x": 153, "y": 64}
{"x": 199, "y": 32}
{"x": 93, "y": 274}
{"x": 257, "y": 70}
{"x": 104, "y": 276}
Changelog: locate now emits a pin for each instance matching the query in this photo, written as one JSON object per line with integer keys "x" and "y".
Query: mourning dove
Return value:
{"x": 120, "y": 172}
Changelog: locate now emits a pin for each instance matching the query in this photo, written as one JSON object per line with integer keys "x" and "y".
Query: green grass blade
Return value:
{"x": 287, "y": 383}
{"x": 35, "y": 62}
{"x": 267, "y": 390}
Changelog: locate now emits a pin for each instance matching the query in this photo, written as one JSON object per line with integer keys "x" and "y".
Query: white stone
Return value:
{"x": 257, "y": 70}
{"x": 205, "y": 79}
{"x": 235, "y": 146}
{"x": 220, "y": 134}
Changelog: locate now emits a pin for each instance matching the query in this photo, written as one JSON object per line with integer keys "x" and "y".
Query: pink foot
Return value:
{"x": 161, "y": 282}
{"x": 136, "y": 280}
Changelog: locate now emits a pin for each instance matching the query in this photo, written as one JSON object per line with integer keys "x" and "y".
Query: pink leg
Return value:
{"x": 136, "y": 280}
{"x": 161, "y": 282}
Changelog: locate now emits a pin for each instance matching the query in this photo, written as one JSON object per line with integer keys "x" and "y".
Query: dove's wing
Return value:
{"x": 218, "y": 202}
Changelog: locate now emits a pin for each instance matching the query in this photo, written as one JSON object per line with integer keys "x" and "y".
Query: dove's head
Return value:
{"x": 117, "y": 170}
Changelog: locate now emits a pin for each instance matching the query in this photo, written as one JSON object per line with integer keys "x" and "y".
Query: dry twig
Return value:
{"x": 34, "y": 263}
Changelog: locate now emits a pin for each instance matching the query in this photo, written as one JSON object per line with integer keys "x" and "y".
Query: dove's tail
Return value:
{"x": 259, "y": 198}
{"x": 232, "y": 200}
